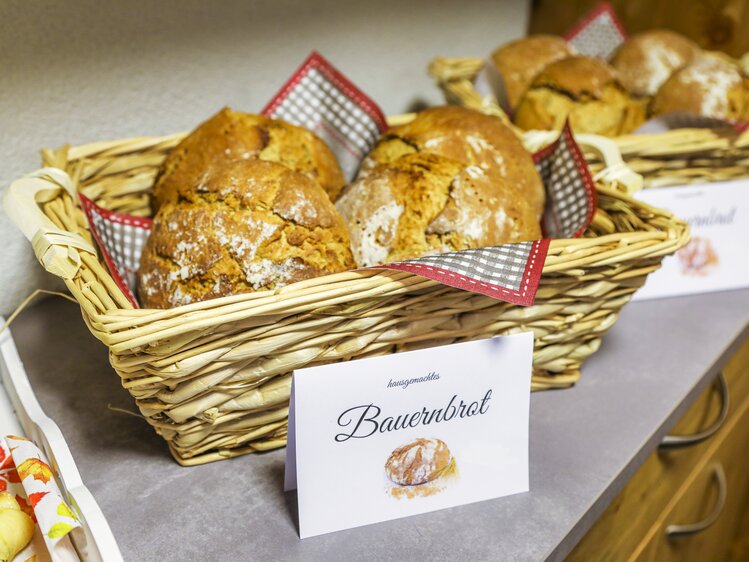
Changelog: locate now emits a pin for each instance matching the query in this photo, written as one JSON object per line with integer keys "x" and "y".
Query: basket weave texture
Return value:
{"x": 213, "y": 378}
{"x": 675, "y": 157}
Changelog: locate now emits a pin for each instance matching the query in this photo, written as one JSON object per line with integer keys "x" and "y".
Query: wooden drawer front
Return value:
{"x": 706, "y": 408}
{"x": 698, "y": 498}
{"x": 621, "y": 528}
{"x": 625, "y": 522}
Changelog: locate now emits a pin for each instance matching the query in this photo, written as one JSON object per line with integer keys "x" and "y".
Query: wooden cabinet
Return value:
{"x": 687, "y": 485}
{"x": 713, "y": 497}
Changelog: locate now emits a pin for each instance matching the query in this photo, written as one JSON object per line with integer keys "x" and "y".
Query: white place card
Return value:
{"x": 388, "y": 437}
{"x": 717, "y": 257}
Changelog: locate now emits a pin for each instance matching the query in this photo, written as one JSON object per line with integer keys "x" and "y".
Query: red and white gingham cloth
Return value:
{"x": 320, "y": 98}
{"x": 598, "y": 34}
{"x": 323, "y": 100}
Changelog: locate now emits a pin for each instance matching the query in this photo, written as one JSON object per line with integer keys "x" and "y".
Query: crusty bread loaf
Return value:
{"x": 421, "y": 203}
{"x": 519, "y": 61}
{"x": 584, "y": 90}
{"x": 231, "y": 135}
{"x": 466, "y": 136}
{"x": 646, "y": 60}
{"x": 708, "y": 86}
{"x": 247, "y": 226}
{"x": 418, "y": 462}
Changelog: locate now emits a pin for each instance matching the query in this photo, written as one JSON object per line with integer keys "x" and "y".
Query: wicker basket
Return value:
{"x": 676, "y": 157}
{"x": 213, "y": 377}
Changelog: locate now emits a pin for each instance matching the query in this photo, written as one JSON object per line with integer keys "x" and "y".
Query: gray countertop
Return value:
{"x": 586, "y": 442}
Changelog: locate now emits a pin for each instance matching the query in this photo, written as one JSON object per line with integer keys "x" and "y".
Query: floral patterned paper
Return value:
{"x": 25, "y": 473}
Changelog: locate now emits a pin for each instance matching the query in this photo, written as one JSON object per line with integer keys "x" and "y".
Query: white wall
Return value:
{"x": 85, "y": 70}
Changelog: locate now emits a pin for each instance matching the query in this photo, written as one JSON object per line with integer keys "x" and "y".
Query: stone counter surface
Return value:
{"x": 586, "y": 442}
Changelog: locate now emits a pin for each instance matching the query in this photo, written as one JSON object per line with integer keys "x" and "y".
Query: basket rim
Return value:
{"x": 560, "y": 256}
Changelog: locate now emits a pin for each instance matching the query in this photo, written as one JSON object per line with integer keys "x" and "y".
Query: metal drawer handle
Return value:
{"x": 676, "y": 531}
{"x": 678, "y": 441}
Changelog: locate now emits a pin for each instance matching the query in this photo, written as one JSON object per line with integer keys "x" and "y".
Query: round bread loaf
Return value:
{"x": 418, "y": 462}
{"x": 708, "y": 86}
{"x": 586, "y": 91}
{"x": 423, "y": 203}
{"x": 466, "y": 136}
{"x": 231, "y": 135}
{"x": 519, "y": 61}
{"x": 646, "y": 60}
{"x": 247, "y": 226}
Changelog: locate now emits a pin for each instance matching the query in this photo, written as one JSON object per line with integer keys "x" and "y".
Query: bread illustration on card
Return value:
{"x": 421, "y": 467}
{"x": 698, "y": 258}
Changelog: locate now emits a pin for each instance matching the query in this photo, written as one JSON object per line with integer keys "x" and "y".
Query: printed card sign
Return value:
{"x": 716, "y": 258}
{"x": 393, "y": 436}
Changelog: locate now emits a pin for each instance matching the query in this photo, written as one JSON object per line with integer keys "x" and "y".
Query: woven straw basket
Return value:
{"x": 675, "y": 157}
{"x": 213, "y": 378}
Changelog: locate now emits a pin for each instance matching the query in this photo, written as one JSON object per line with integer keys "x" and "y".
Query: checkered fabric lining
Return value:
{"x": 599, "y": 33}
{"x": 510, "y": 272}
{"x": 321, "y": 99}
{"x": 121, "y": 239}
{"x": 571, "y": 197}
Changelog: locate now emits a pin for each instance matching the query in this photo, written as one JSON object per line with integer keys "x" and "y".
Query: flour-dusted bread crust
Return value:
{"x": 646, "y": 60}
{"x": 231, "y": 135}
{"x": 418, "y": 462}
{"x": 468, "y": 137}
{"x": 519, "y": 61}
{"x": 709, "y": 86}
{"x": 247, "y": 226}
{"x": 584, "y": 90}
{"x": 423, "y": 204}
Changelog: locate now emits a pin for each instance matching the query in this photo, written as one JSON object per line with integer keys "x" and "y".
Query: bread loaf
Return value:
{"x": 418, "y": 462}
{"x": 422, "y": 203}
{"x": 646, "y": 60}
{"x": 519, "y": 61}
{"x": 231, "y": 135}
{"x": 468, "y": 137}
{"x": 247, "y": 226}
{"x": 584, "y": 90}
{"x": 708, "y": 86}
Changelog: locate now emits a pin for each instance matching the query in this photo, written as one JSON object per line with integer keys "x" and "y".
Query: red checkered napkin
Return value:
{"x": 121, "y": 239}
{"x": 323, "y": 100}
{"x": 320, "y": 98}
{"x": 571, "y": 196}
{"x": 510, "y": 272}
{"x": 598, "y": 34}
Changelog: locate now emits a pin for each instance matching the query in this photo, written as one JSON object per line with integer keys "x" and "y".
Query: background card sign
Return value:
{"x": 716, "y": 258}
{"x": 387, "y": 437}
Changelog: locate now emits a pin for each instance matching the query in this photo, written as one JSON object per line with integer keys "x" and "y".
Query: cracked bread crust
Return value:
{"x": 423, "y": 204}
{"x": 466, "y": 136}
{"x": 646, "y": 60}
{"x": 519, "y": 61}
{"x": 708, "y": 86}
{"x": 247, "y": 226}
{"x": 231, "y": 135}
{"x": 585, "y": 90}
{"x": 418, "y": 462}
